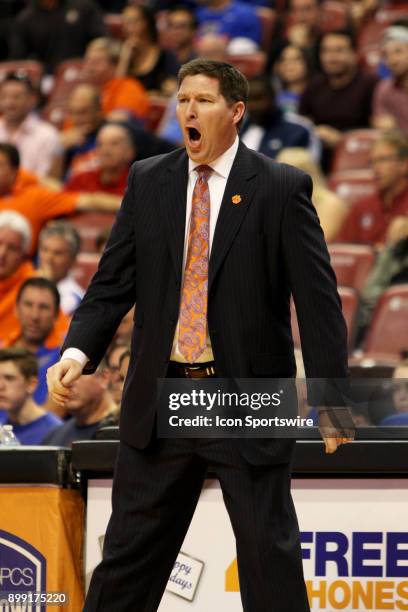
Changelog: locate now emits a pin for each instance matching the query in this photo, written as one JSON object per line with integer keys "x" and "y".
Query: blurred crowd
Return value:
{"x": 87, "y": 88}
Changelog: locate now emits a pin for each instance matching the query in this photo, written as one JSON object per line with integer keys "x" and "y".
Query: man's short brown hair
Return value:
{"x": 25, "y": 361}
{"x": 233, "y": 84}
{"x": 397, "y": 140}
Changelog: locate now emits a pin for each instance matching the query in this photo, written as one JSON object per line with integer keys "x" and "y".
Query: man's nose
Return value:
{"x": 191, "y": 110}
{"x": 34, "y": 313}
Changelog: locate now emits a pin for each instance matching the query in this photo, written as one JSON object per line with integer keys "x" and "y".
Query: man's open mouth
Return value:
{"x": 193, "y": 134}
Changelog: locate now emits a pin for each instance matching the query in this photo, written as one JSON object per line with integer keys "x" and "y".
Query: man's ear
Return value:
{"x": 104, "y": 378}
{"x": 239, "y": 110}
{"x": 32, "y": 384}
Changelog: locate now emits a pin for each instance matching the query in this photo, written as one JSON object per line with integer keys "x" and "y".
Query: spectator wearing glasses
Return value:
{"x": 382, "y": 218}
{"x": 113, "y": 360}
{"x": 390, "y": 108}
{"x": 36, "y": 140}
{"x": 89, "y": 405}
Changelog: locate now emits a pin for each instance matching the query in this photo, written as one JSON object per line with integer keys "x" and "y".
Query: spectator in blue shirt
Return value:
{"x": 38, "y": 303}
{"x": 229, "y": 18}
{"x": 399, "y": 417}
{"x": 18, "y": 380}
{"x": 88, "y": 406}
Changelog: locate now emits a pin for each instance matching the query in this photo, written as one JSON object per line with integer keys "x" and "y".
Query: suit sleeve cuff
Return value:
{"x": 74, "y": 353}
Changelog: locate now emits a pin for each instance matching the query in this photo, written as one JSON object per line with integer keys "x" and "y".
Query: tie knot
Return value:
{"x": 204, "y": 171}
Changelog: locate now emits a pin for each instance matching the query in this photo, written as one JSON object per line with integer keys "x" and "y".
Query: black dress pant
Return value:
{"x": 155, "y": 492}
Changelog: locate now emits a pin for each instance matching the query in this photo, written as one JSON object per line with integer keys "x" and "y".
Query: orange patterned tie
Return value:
{"x": 193, "y": 308}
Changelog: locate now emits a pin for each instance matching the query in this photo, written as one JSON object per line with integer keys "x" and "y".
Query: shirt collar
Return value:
{"x": 26, "y": 126}
{"x": 223, "y": 164}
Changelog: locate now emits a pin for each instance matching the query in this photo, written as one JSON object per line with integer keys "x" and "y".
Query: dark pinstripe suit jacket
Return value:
{"x": 264, "y": 248}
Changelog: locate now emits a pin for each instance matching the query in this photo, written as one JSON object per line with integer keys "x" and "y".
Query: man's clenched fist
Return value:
{"x": 60, "y": 378}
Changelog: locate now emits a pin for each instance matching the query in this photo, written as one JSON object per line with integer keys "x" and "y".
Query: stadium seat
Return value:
{"x": 353, "y": 151}
{"x": 34, "y": 70}
{"x": 352, "y": 263}
{"x": 90, "y": 225}
{"x": 388, "y": 333}
{"x": 368, "y": 43}
{"x": 114, "y": 24}
{"x": 157, "y": 108}
{"x": 85, "y": 267}
{"x": 349, "y": 302}
{"x": 376, "y": 366}
{"x": 67, "y": 77}
{"x": 353, "y": 185}
{"x": 251, "y": 64}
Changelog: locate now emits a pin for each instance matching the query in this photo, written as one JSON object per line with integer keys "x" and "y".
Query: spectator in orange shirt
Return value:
{"x": 39, "y": 204}
{"x": 15, "y": 244}
{"x": 115, "y": 150}
{"x": 15, "y": 270}
{"x": 122, "y": 93}
{"x": 383, "y": 217}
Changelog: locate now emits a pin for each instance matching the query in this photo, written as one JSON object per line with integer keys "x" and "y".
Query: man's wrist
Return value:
{"x": 76, "y": 354}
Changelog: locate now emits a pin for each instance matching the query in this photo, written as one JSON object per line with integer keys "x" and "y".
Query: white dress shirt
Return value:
{"x": 37, "y": 141}
{"x": 216, "y": 184}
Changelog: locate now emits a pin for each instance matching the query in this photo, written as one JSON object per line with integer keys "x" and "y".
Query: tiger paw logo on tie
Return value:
{"x": 236, "y": 199}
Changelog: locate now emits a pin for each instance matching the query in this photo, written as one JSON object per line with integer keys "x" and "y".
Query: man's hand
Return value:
{"x": 397, "y": 230}
{"x": 60, "y": 378}
{"x": 336, "y": 426}
{"x": 328, "y": 135}
{"x": 331, "y": 444}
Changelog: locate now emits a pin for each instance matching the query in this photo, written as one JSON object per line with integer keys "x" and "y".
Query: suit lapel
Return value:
{"x": 241, "y": 184}
{"x": 173, "y": 202}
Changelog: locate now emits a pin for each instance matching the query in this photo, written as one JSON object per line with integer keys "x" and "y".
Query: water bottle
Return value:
{"x": 7, "y": 437}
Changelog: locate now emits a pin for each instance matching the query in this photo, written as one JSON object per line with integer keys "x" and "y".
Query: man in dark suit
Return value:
{"x": 209, "y": 243}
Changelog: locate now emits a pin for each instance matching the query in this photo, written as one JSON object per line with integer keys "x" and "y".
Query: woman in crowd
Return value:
{"x": 141, "y": 55}
{"x": 291, "y": 74}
